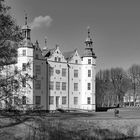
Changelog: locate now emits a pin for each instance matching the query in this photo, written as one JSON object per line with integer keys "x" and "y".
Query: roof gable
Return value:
{"x": 72, "y": 56}
{"x": 55, "y": 55}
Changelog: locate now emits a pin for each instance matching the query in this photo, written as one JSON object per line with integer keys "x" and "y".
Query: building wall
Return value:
{"x": 86, "y": 80}
{"x": 75, "y": 79}
{"x": 55, "y": 93}
{"x": 39, "y": 71}
{"x": 28, "y": 58}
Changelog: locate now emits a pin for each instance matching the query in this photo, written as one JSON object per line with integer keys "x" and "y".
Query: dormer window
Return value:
{"x": 76, "y": 61}
{"x": 59, "y": 59}
{"x": 89, "y": 61}
{"x": 55, "y": 59}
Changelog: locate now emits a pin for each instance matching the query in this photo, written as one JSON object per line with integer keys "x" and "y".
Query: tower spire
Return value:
{"x": 26, "y": 19}
{"x": 26, "y": 29}
{"x": 89, "y": 45}
{"x": 88, "y": 41}
{"x": 88, "y": 28}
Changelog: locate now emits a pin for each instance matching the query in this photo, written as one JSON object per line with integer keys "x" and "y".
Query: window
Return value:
{"x": 57, "y": 85}
{"x": 63, "y": 72}
{"x": 51, "y": 71}
{"x": 59, "y": 59}
{"x": 89, "y": 61}
{"x": 38, "y": 84}
{"x": 88, "y": 100}
{"x": 36, "y": 56}
{"x": 63, "y": 85}
{"x": 51, "y": 100}
{"x": 38, "y": 69}
{"x": 75, "y": 73}
{"x": 75, "y": 86}
{"x": 75, "y": 100}
{"x": 23, "y": 82}
{"x": 64, "y": 100}
{"x": 76, "y": 61}
{"x": 89, "y": 86}
{"x": 89, "y": 73}
{"x": 37, "y": 100}
{"x": 23, "y": 52}
{"x": 51, "y": 85}
{"x": 24, "y": 66}
{"x": 55, "y": 59}
{"x": 24, "y": 100}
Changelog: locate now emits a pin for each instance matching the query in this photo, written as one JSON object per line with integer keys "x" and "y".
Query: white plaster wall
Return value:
{"x": 58, "y": 78}
{"x": 27, "y": 91}
{"x": 73, "y": 66}
{"x": 85, "y": 79}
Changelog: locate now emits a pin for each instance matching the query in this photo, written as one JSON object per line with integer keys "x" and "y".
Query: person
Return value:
{"x": 116, "y": 112}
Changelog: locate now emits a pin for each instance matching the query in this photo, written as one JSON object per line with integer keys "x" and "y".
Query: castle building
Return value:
{"x": 62, "y": 79}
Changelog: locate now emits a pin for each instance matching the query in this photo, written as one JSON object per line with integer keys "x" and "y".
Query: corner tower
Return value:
{"x": 88, "y": 75}
{"x": 26, "y": 56}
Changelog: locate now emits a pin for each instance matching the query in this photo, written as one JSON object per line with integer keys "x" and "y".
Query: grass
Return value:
{"x": 77, "y": 126}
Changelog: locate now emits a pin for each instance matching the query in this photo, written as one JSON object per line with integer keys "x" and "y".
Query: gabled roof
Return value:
{"x": 48, "y": 52}
{"x": 68, "y": 55}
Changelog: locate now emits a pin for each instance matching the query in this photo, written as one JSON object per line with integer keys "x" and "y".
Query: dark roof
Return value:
{"x": 48, "y": 52}
{"x": 68, "y": 55}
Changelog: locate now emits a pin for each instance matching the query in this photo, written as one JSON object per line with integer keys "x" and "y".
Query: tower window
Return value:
{"x": 88, "y": 100}
{"x": 75, "y": 73}
{"x": 23, "y": 52}
{"x": 89, "y": 86}
{"x": 89, "y": 61}
{"x": 89, "y": 73}
{"x": 75, "y": 86}
{"x": 75, "y": 100}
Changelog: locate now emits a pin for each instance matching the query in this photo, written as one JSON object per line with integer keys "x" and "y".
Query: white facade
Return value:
{"x": 61, "y": 79}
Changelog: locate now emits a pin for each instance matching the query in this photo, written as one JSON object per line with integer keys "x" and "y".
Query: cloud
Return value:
{"x": 41, "y": 21}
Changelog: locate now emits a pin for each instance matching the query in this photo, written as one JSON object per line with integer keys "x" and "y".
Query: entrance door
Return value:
{"x": 57, "y": 101}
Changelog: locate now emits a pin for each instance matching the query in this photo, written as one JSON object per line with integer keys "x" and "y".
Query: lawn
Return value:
{"x": 77, "y": 126}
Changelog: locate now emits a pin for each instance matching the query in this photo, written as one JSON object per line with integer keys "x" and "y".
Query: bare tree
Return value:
{"x": 103, "y": 89}
{"x": 134, "y": 76}
{"x": 120, "y": 83}
{"x": 111, "y": 85}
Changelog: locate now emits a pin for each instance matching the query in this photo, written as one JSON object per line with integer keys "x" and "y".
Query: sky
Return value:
{"x": 114, "y": 26}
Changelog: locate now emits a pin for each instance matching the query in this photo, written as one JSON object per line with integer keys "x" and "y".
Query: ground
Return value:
{"x": 78, "y": 125}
